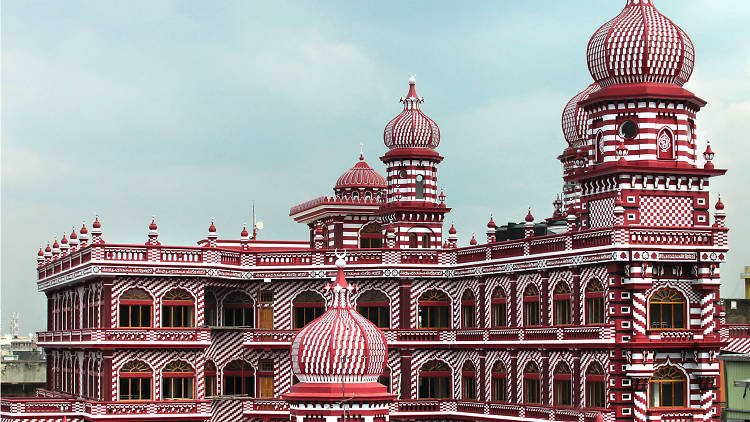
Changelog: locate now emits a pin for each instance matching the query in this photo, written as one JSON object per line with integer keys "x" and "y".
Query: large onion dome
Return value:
{"x": 574, "y": 117}
{"x": 361, "y": 176}
{"x": 640, "y": 45}
{"x": 412, "y": 128}
{"x": 339, "y": 345}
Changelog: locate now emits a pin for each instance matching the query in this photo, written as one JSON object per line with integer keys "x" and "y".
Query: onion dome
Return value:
{"x": 361, "y": 176}
{"x": 473, "y": 240}
{"x": 640, "y": 45}
{"x": 452, "y": 230}
{"x": 719, "y": 205}
{"x": 574, "y": 117}
{"x": 339, "y": 345}
{"x": 84, "y": 230}
{"x": 491, "y": 224}
{"x": 97, "y": 224}
{"x": 64, "y": 240}
{"x": 529, "y": 218}
{"x": 244, "y": 232}
{"x": 48, "y": 250}
{"x": 40, "y": 253}
{"x": 153, "y": 226}
{"x": 412, "y": 128}
{"x": 390, "y": 229}
{"x": 73, "y": 235}
{"x": 212, "y": 227}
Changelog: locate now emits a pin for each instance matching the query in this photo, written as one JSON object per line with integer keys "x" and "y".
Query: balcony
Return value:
{"x": 25, "y": 408}
{"x": 126, "y": 337}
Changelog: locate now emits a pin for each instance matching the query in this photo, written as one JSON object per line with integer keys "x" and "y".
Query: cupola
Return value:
{"x": 361, "y": 177}
{"x": 412, "y": 128}
{"x": 574, "y": 117}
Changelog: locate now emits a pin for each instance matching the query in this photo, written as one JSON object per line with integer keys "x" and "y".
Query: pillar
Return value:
{"x": 406, "y": 392}
{"x": 404, "y": 301}
{"x": 481, "y": 308}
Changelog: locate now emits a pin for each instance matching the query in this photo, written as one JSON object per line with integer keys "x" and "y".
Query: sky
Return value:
{"x": 192, "y": 110}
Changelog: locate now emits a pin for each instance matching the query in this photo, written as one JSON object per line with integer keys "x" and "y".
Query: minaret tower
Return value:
{"x": 338, "y": 358}
{"x": 413, "y": 203}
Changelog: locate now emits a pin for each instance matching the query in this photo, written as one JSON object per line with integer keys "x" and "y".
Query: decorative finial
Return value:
{"x": 412, "y": 78}
{"x": 361, "y": 151}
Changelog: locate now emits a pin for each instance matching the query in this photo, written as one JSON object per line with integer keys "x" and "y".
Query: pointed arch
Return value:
{"x": 594, "y": 302}
{"x": 435, "y": 380}
{"x": 434, "y": 309}
{"x": 468, "y": 309}
{"x": 595, "y": 394}
{"x": 178, "y": 309}
{"x": 469, "y": 381}
{"x": 562, "y": 385}
{"x": 531, "y": 384}
{"x": 561, "y": 303}
{"x": 136, "y": 309}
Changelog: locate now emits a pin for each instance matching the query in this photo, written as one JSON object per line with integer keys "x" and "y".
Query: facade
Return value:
{"x": 609, "y": 309}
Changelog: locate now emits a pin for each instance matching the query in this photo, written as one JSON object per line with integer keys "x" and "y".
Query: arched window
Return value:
{"x": 531, "y": 382}
{"x": 531, "y": 306}
{"x": 562, "y": 385}
{"x": 468, "y": 310}
{"x": 135, "y": 381}
{"x": 594, "y": 302}
{"x": 667, "y": 309}
{"x": 265, "y": 378}
{"x": 209, "y": 376}
{"x": 385, "y": 378}
{"x": 178, "y": 309}
{"x": 469, "y": 381}
{"x": 238, "y": 310}
{"x": 419, "y": 186}
{"x": 667, "y": 388}
{"x": 434, "y": 310}
{"x": 599, "y": 147}
{"x": 239, "y": 379}
{"x": 210, "y": 309}
{"x": 412, "y": 240}
{"x": 425, "y": 240}
{"x": 499, "y": 382}
{"x": 595, "y": 385}
{"x": 561, "y": 300}
{"x": 374, "y": 306}
{"x": 135, "y": 309}
{"x": 665, "y": 144}
{"x": 435, "y": 380}
{"x": 371, "y": 236}
{"x": 307, "y": 306}
{"x": 499, "y": 308}
{"x": 178, "y": 381}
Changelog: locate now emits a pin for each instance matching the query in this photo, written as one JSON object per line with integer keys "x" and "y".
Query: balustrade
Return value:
{"x": 181, "y": 255}
{"x": 124, "y": 254}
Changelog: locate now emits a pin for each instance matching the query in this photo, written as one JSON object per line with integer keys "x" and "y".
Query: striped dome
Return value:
{"x": 412, "y": 128}
{"x": 360, "y": 176}
{"x": 574, "y": 118}
{"x": 341, "y": 343}
{"x": 640, "y": 45}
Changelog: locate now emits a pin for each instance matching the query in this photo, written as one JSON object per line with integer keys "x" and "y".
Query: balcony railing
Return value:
{"x": 175, "y": 337}
{"x": 180, "y": 410}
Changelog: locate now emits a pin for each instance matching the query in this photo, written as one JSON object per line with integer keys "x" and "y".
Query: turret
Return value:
{"x": 212, "y": 236}
{"x": 96, "y": 232}
{"x": 153, "y": 234}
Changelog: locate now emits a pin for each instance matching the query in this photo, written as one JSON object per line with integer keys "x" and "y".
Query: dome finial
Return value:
{"x": 361, "y": 151}
{"x": 412, "y": 78}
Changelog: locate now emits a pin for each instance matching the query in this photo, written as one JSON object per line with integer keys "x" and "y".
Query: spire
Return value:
{"x": 361, "y": 151}
{"x": 341, "y": 289}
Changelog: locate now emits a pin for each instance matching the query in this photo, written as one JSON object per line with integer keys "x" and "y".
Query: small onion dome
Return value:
{"x": 640, "y": 45}
{"x": 97, "y": 224}
{"x": 48, "y": 249}
{"x": 55, "y": 245}
{"x": 64, "y": 240}
{"x": 41, "y": 252}
{"x": 244, "y": 232}
{"x": 84, "y": 230}
{"x": 340, "y": 345}
{"x": 212, "y": 227}
{"x": 152, "y": 226}
{"x": 473, "y": 240}
{"x": 574, "y": 117}
{"x": 719, "y": 205}
{"x": 73, "y": 234}
{"x": 529, "y": 218}
{"x": 361, "y": 176}
{"x": 452, "y": 230}
{"x": 412, "y": 128}
{"x": 491, "y": 224}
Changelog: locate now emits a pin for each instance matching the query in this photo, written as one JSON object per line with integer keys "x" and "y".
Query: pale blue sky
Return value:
{"x": 189, "y": 110}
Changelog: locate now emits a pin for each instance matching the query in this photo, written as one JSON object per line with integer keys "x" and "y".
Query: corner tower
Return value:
{"x": 413, "y": 204}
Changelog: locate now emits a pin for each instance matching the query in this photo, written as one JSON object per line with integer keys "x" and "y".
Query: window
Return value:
{"x": 665, "y": 144}
{"x": 562, "y": 385}
{"x": 667, "y": 310}
{"x": 209, "y": 374}
{"x": 265, "y": 378}
{"x": 135, "y": 309}
{"x": 371, "y": 236}
{"x": 307, "y": 306}
{"x": 468, "y": 310}
{"x": 135, "y": 381}
{"x": 419, "y": 187}
{"x": 177, "y": 309}
{"x": 469, "y": 381}
{"x": 385, "y": 379}
{"x": 265, "y": 309}
{"x": 594, "y": 302}
{"x": 531, "y": 384}
{"x": 210, "y": 310}
{"x": 412, "y": 240}
{"x": 628, "y": 129}
{"x": 599, "y": 147}
{"x": 531, "y": 306}
{"x": 434, "y": 380}
{"x": 667, "y": 388}
{"x": 425, "y": 240}
{"x": 178, "y": 381}
{"x": 374, "y": 306}
{"x": 561, "y": 301}
{"x": 239, "y": 379}
{"x": 434, "y": 310}
{"x": 238, "y": 310}
{"x": 595, "y": 385}
{"x": 499, "y": 382}
{"x": 499, "y": 308}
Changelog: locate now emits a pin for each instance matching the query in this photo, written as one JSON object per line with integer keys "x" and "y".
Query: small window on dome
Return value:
{"x": 628, "y": 129}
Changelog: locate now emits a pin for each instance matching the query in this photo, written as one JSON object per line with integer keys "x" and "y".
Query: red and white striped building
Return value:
{"x": 607, "y": 310}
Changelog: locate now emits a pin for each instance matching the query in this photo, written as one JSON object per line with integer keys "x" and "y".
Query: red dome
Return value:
{"x": 361, "y": 176}
{"x": 341, "y": 332}
{"x": 640, "y": 45}
{"x": 412, "y": 128}
{"x": 574, "y": 117}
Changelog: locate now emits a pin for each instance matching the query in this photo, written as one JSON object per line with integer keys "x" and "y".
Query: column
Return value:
{"x": 481, "y": 308}
{"x": 406, "y": 392}
{"x": 513, "y": 302}
{"x": 514, "y": 380}
{"x": 545, "y": 379}
{"x": 576, "y": 313}
{"x": 404, "y": 301}
{"x": 482, "y": 379}
{"x": 576, "y": 380}
{"x": 544, "y": 314}
{"x": 107, "y": 313}
{"x": 106, "y": 377}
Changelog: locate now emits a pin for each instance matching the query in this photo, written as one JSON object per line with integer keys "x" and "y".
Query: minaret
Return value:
{"x": 338, "y": 358}
{"x": 412, "y": 201}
